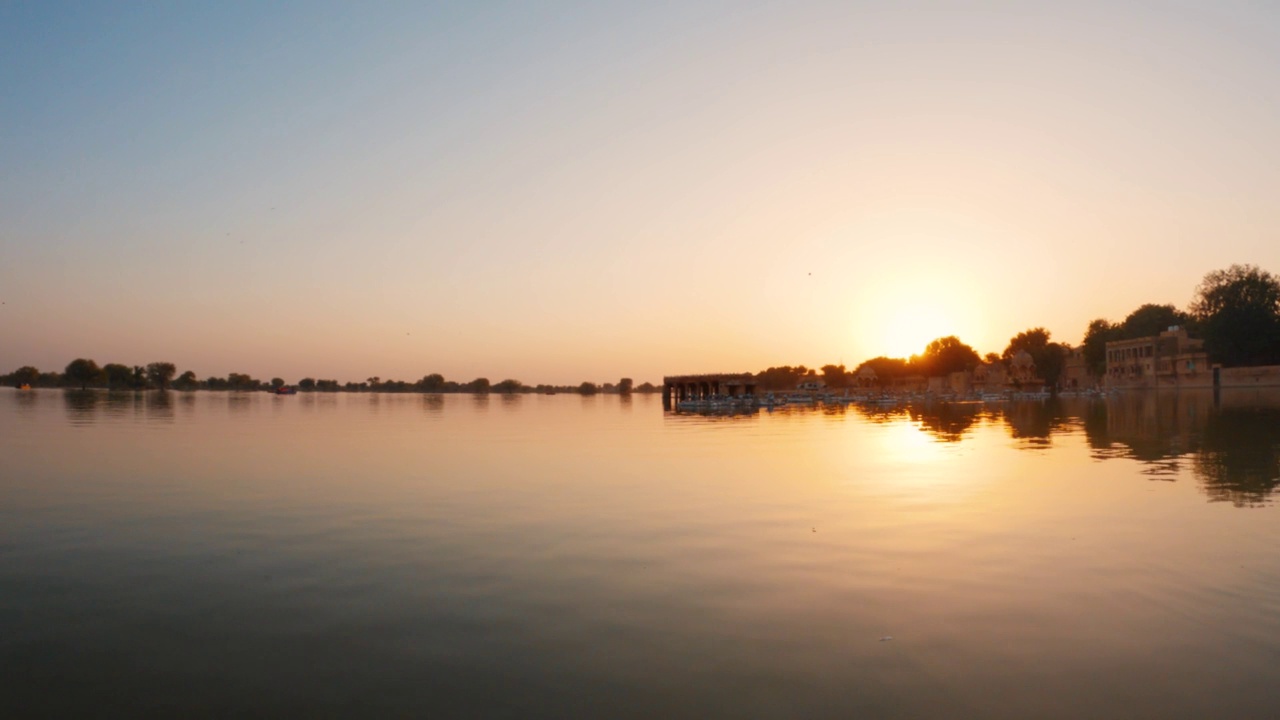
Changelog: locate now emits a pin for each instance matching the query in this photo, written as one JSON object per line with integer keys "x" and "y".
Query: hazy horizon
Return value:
{"x": 587, "y": 192}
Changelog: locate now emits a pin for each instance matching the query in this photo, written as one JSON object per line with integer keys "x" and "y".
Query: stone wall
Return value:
{"x": 1261, "y": 376}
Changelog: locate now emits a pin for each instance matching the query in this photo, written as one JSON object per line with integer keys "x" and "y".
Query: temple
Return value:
{"x": 703, "y": 387}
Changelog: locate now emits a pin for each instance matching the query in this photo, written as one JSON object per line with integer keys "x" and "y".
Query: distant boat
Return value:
{"x": 286, "y": 390}
{"x": 24, "y": 386}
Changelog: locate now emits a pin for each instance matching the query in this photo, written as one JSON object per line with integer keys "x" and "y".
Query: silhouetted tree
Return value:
{"x": 1049, "y": 357}
{"x": 186, "y": 381}
{"x": 886, "y": 368}
{"x": 509, "y": 386}
{"x": 624, "y": 386}
{"x": 277, "y": 383}
{"x": 1151, "y": 319}
{"x": 117, "y": 375}
{"x": 241, "y": 381}
{"x": 160, "y": 373}
{"x": 82, "y": 372}
{"x": 1239, "y": 314}
{"x": 947, "y": 355}
{"x": 587, "y": 388}
{"x": 1096, "y": 337}
{"x": 25, "y": 375}
{"x": 139, "y": 377}
{"x": 432, "y": 383}
{"x": 835, "y": 376}
{"x": 781, "y": 378}
{"x": 479, "y": 385}
{"x": 307, "y": 384}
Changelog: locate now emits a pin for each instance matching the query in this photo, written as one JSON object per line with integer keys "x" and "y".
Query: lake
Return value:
{"x": 231, "y": 554}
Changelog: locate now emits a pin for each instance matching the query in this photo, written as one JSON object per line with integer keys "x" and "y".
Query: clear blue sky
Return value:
{"x": 569, "y": 191}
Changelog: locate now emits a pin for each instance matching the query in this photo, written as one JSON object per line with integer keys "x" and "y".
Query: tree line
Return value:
{"x": 1235, "y": 311}
{"x": 83, "y": 373}
{"x": 940, "y": 357}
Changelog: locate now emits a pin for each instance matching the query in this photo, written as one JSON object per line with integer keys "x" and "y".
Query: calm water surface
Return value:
{"x": 225, "y": 554}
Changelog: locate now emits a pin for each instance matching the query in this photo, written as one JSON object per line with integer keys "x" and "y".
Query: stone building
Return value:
{"x": 1022, "y": 371}
{"x": 1075, "y": 371}
{"x": 989, "y": 378}
{"x": 1170, "y": 359}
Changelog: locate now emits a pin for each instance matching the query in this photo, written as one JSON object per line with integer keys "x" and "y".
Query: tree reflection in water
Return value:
{"x": 1240, "y": 458}
{"x": 948, "y": 422}
{"x": 81, "y": 405}
{"x": 1036, "y": 422}
{"x": 159, "y": 406}
{"x": 1230, "y": 442}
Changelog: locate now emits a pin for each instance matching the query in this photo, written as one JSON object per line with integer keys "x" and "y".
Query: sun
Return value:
{"x": 908, "y": 328}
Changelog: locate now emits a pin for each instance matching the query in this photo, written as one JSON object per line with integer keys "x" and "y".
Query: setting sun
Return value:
{"x": 910, "y": 327}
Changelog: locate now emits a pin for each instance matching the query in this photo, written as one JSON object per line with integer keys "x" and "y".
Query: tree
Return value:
{"x": 1096, "y": 337}
{"x": 25, "y": 375}
{"x": 186, "y": 381}
{"x": 1049, "y": 357}
{"x": 1151, "y": 319}
{"x": 117, "y": 375}
{"x": 432, "y": 383}
{"x": 509, "y": 386}
{"x": 991, "y": 358}
{"x": 781, "y": 378}
{"x": 82, "y": 372}
{"x": 1031, "y": 341}
{"x": 624, "y": 386}
{"x": 160, "y": 373}
{"x": 885, "y": 368}
{"x": 1238, "y": 310}
{"x": 479, "y": 385}
{"x": 307, "y": 384}
{"x": 241, "y": 381}
{"x": 587, "y": 388}
{"x": 277, "y": 383}
{"x": 835, "y": 376}
{"x": 139, "y": 377}
{"x": 947, "y": 355}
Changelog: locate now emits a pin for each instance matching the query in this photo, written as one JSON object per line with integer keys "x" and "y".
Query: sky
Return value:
{"x": 559, "y": 192}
